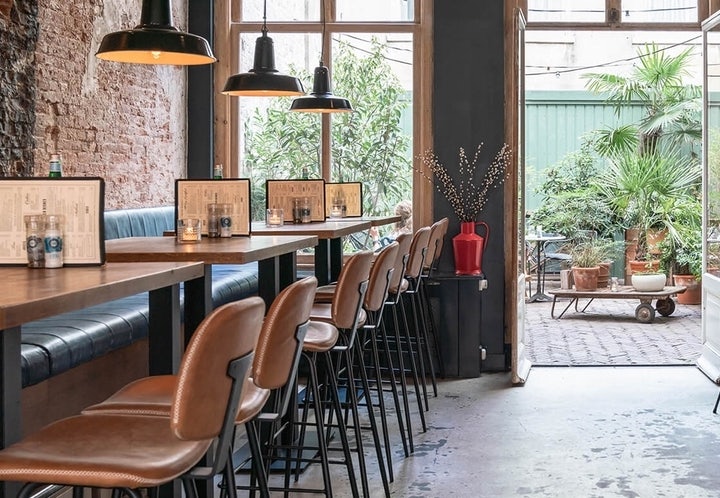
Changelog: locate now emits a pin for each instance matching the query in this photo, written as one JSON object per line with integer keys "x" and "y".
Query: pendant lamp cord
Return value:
{"x": 264, "y": 26}
{"x": 322, "y": 44}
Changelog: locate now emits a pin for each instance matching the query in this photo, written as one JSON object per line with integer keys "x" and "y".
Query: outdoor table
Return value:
{"x": 540, "y": 241}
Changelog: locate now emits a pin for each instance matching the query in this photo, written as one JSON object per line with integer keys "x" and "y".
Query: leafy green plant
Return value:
{"x": 590, "y": 252}
{"x": 572, "y": 202}
{"x": 681, "y": 254}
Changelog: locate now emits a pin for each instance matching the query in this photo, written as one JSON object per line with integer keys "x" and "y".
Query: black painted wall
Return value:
{"x": 468, "y": 108}
{"x": 201, "y": 94}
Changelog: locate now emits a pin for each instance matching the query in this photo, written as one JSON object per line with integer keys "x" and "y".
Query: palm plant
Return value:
{"x": 647, "y": 189}
{"x": 671, "y": 106}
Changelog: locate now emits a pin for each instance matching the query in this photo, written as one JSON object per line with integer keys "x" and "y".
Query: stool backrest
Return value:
{"x": 435, "y": 243}
{"x": 350, "y": 290}
{"x": 403, "y": 255}
{"x": 218, "y": 357}
{"x": 380, "y": 277}
{"x": 281, "y": 340}
{"x": 418, "y": 249}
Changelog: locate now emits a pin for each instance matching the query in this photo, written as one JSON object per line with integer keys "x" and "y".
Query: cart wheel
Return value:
{"x": 665, "y": 306}
{"x": 645, "y": 313}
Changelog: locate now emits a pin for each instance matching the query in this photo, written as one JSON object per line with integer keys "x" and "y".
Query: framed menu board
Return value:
{"x": 193, "y": 196}
{"x": 281, "y": 194}
{"x": 348, "y": 195}
{"x": 80, "y": 201}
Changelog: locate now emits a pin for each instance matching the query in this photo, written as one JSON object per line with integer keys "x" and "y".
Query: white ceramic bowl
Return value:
{"x": 648, "y": 282}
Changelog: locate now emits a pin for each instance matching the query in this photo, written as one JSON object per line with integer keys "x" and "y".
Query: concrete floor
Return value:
{"x": 569, "y": 432}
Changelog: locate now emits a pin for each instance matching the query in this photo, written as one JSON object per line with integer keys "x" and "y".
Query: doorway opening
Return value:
{"x": 565, "y": 124}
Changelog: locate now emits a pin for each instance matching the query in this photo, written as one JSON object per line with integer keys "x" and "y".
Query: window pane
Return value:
{"x": 306, "y": 10}
{"x": 373, "y": 144}
{"x": 272, "y": 141}
{"x": 375, "y": 10}
{"x": 566, "y": 10}
{"x": 659, "y": 11}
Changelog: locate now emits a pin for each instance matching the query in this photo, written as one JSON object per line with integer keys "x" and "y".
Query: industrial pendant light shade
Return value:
{"x": 155, "y": 41}
{"x": 321, "y": 98}
{"x": 263, "y": 80}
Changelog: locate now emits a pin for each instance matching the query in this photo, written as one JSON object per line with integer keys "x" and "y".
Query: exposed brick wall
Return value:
{"x": 123, "y": 122}
{"x": 18, "y": 34}
{"x": 5, "y": 7}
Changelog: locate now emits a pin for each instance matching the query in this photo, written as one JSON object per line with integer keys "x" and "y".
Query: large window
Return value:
{"x": 371, "y": 50}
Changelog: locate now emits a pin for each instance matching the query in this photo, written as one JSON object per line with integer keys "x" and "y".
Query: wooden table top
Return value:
{"x": 33, "y": 293}
{"x": 375, "y": 221}
{"x": 234, "y": 250}
{"x": 321, "y": 229}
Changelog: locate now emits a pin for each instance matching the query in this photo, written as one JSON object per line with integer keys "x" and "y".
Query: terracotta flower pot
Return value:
{"x": 586, "y": 279}
{"x": 693, "y": 294}
{"x": 604, "y": 275}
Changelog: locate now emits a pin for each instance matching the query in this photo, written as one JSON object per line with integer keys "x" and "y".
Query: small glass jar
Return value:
{"x": 213, "y": 220}
{"x": 614, "y": 285}
{"x": 301, "y": 210}
{"x": 53, "y": 238}
{"x": 225, "y": 212}
{"x": 34, "y": 243}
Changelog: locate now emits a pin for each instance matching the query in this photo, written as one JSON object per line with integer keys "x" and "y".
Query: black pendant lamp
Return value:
{"x": 156, "y": 41}
{"x": 263, "y": 80}
{"x": 321, "y": 99}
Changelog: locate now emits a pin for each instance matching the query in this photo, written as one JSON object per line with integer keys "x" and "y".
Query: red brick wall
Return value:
{"x": 123, "y": 122}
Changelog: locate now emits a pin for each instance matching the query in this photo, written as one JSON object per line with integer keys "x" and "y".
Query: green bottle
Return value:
{"x": 218, "y": 172}
{"x": 55, "y": 166}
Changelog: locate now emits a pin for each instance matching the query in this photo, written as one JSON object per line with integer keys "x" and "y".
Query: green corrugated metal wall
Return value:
{"x": 555, "y": 121}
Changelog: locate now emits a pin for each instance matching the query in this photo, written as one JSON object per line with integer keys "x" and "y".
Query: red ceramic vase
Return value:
{"x": 468, "y": 248}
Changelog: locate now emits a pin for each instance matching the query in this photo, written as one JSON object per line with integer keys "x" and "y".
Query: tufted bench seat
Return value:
{"x": 57, "y": 344}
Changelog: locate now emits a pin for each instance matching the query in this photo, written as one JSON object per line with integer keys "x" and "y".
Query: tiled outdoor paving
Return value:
{"x": 607, "y": 333}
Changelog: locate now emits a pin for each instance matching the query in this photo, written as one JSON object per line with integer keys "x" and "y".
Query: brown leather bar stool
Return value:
{"x": 132, "y": 452}
{"x": 435, "y": 245}
{"x": 414, "y": 336}
{"x": 274, "y": 371}
{"x": 346, "y": 314}
{"x": 398, "y": 285}
{"x": 372, "y": 332}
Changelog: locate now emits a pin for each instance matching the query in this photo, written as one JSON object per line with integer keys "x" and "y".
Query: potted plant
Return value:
{"x": 683, "y": 257}
{"x": 587, "y": 255}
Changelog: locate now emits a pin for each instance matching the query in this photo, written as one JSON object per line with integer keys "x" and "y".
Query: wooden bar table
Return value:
{"x": 328, "y": 253}
{"x": 32, "y": 294}
{"x": 375, "y": 221}
{"x": 275, "y": 256}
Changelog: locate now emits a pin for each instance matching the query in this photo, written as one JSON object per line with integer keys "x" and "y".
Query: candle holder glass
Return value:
{"x": 274, "y": 217}
{"x": 188, "y": 230}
